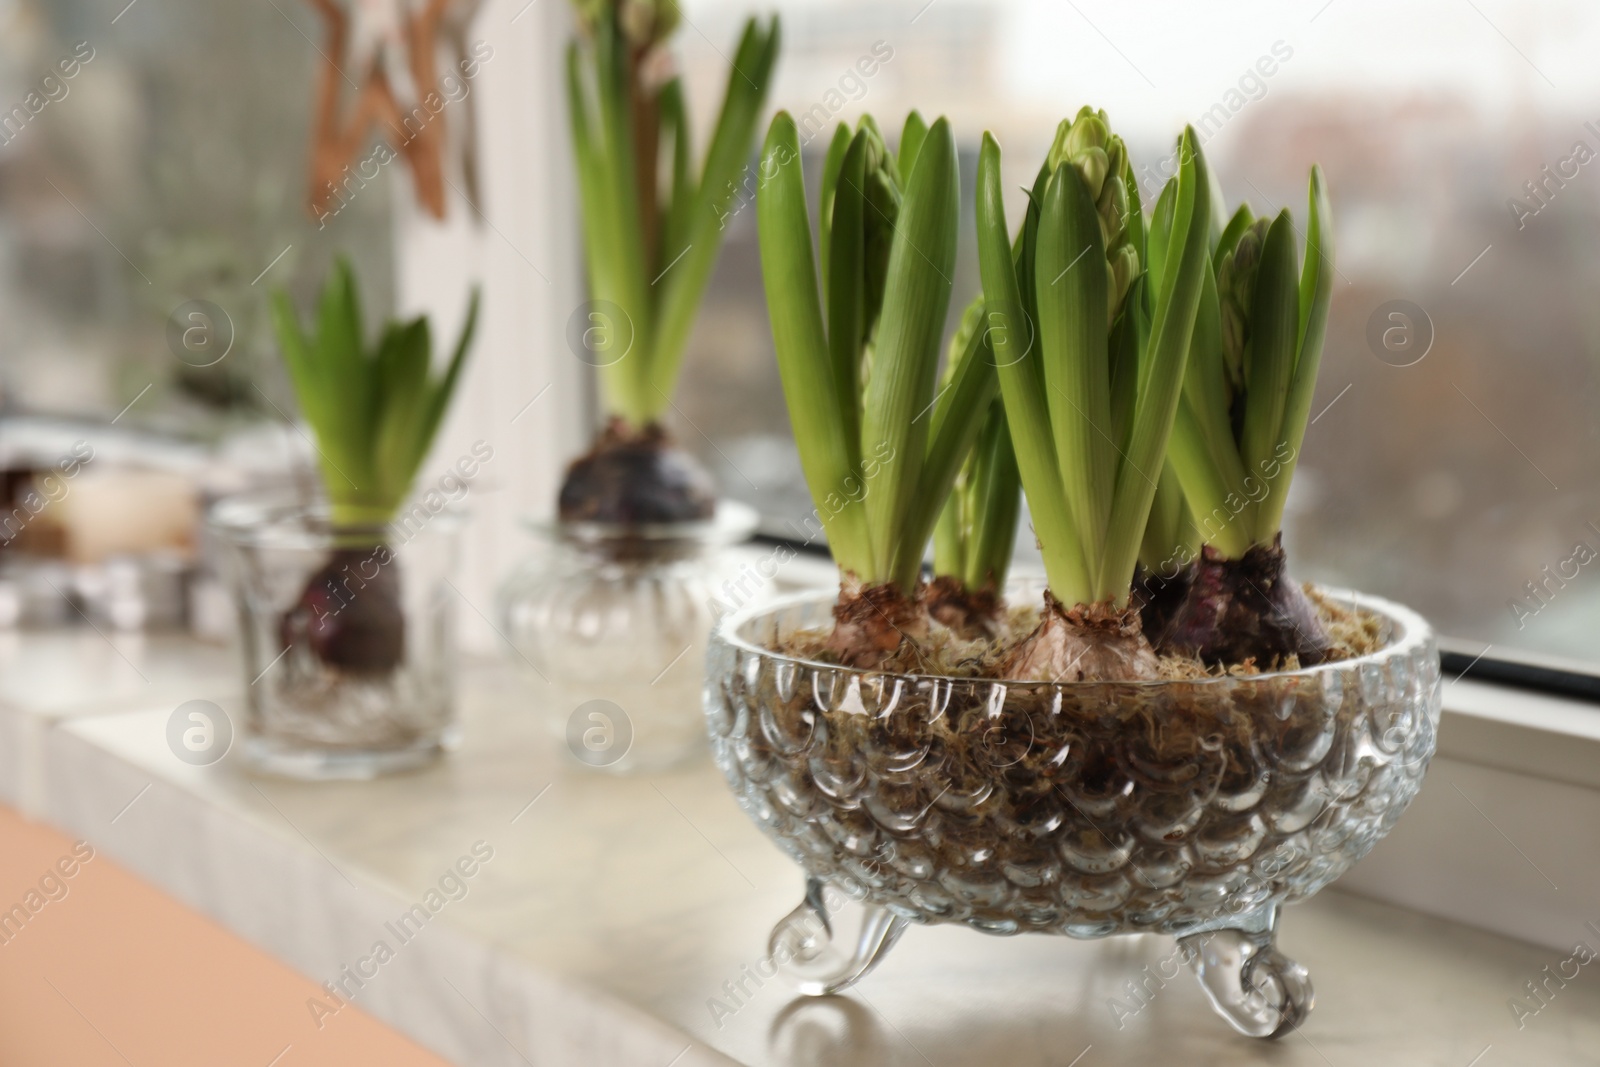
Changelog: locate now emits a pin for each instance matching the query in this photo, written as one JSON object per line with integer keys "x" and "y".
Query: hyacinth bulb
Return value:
{"x": 350, "y": 613}
{"x": 636, "y": 477}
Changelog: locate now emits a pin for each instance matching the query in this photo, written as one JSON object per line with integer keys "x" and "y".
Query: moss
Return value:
{"x": 943, "y": 652}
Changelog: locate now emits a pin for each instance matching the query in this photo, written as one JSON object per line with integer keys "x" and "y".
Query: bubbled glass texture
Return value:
{"x": 626, "y": 635}
{"x": 1079, "y": 808}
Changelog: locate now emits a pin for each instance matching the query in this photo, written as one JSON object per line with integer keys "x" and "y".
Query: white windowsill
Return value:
{"x": 1551, "y": 737}
{"x": 611, "y": 915}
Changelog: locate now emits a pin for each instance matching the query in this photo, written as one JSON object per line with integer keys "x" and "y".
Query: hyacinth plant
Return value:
{"x": 1246, "y": 402}
{"x": 879, "y": 445}
{"x": 973, "y": 539}
{"x": 374, "y": 410}
{"x": 652, "y": 226}
{"x": 1090, "y": 321}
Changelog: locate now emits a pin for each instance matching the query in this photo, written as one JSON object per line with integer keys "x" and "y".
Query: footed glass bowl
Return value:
{"x": 1189, "y": 808}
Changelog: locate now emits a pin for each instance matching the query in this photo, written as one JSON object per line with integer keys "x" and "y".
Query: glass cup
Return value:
{"x": 349, "y": 640}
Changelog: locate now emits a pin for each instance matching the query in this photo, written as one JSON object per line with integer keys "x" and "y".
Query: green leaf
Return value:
{"x": 1012, "y": 339}
{"x": 590, "y": 178}
{"x": 1199, "y": 462}
{"x": 403, "y": 356}
{"x": 1187, "y": 262}
{"x": 626, "y": 381}
{"x": 881, "y": 218}
{"x": 1160, "y": 234}
{"x": 1274, "y": 337}
{"x": 1129, "y": 341}
{"x": 958, "y": 413}
{"x": 305, "y": 373}
{"x": 1072, "y": 299}
{"x": 342, "y": 362}
{"x": 439, "y": 398}
{"x": 810, "y": 387}
{"x": 1135, "y": 225}
{"x": 373, "y": 416}
{"x": 686, "y": 271}
{"x": 1316, "y": 293}
{"x": 912, "y": 135}
{"x": 951, "y": 533}
{"x": 842, "y": 140}
{"x": 996, "y": 505}
{"x": 680, "y": 192}
{"x": 1170, "y": 539}
{"x": 1241, "y": 221}
{"x": 845, "y": 286}
{"x": 905, "y": 360}
{"x": 1203, "y": 450}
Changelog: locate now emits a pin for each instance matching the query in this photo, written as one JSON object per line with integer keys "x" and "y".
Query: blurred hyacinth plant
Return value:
{"x": 374, "y": 409}
{"x": 652, "y": 221}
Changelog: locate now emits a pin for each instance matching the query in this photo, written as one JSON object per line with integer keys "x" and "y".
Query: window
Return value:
{"x": 149, "y": 158}
{"x": 1455, "y": 439}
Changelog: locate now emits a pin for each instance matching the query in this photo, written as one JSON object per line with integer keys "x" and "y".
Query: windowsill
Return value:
{"x": 1550, "y": 737}
{"x": 615, "y": 909}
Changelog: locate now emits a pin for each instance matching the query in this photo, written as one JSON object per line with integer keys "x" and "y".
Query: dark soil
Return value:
{"x": 636, "y": 477}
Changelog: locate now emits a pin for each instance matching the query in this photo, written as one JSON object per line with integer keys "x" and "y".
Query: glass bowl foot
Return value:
{"x": 807, "y": 949}
{"x": 1257, "y": 989}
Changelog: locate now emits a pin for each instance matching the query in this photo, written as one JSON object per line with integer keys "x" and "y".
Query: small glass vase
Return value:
{"x": 613, "y": 623}
{"x": 1195, "y": 809}
{"x": 349, "y": 641}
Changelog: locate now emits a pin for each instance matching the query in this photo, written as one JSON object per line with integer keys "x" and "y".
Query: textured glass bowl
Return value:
{"x": 305, "y": 718}
{"x": 613, "y": 623}
{"x": 1192, "y": 808}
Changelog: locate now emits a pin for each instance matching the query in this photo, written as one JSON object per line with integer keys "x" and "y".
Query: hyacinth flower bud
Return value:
{"x": 1086, "y": 143}
{"x": 646, "y": 22}
{"x": 1236, "y": 282}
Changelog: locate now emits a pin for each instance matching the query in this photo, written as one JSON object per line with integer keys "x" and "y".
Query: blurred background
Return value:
{"x": 1451, "y": 464}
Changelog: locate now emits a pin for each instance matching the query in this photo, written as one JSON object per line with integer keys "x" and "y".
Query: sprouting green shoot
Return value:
{"x": 373, "y": 410}
{"x": 879, "y": 446}
{"x": 973, "y": 539}
{"x": 1171, "y": 541}
{"x": 1091, "y": 336}
{"x": 652, "y": 229}
{"x": 1247, "y": 395}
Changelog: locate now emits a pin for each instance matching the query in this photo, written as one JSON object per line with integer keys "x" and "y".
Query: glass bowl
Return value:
{"x": 613, "y": 622}
{"x": 1191, "y": 808}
